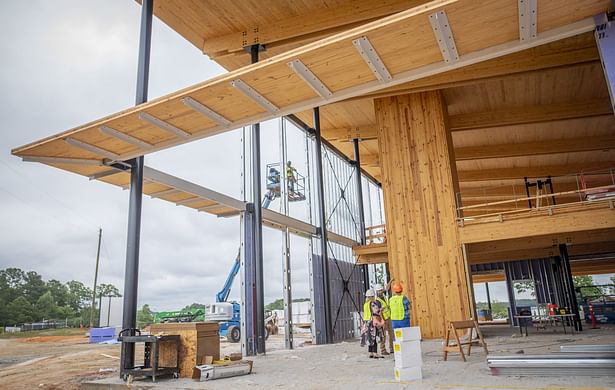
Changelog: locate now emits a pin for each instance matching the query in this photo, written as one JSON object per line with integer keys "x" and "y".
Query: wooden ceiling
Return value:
{"x": 222, "y": 29}
{"x": 542, "y": 111}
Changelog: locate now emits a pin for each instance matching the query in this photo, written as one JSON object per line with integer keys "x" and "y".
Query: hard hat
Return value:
{"x": 378, "y": 287}
{"x": 397, "y": 288}
{"x": 288, "y": 162}
{"x": 370, "y": 293}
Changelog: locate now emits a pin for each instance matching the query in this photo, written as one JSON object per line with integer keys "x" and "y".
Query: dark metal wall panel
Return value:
{"x": 346, "y": 288}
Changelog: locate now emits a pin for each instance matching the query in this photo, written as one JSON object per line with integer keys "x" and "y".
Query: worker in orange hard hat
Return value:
{"x": 400, "y": 307}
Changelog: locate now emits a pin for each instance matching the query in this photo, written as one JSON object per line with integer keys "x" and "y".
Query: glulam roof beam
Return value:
{"x": 530, "y": 114}
{"x": 554, "y": 146}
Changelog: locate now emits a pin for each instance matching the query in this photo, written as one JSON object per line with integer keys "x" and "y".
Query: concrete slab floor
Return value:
{"x": 347, "y": 366}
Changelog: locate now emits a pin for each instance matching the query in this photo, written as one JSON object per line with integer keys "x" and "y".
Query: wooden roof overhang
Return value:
{"x": 406, "y": 52}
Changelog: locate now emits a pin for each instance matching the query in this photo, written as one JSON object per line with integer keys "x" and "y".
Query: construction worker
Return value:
{"x": 290, "y": 176}
{"x": 372, "y": 329}
{"x": 386, "y": 316}
{"x": 400, "y": 307}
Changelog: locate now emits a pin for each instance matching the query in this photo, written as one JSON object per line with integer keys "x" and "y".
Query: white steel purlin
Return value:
{"x": 442, "y": 30}
{"x": 372, "y": 59}
{"x": 164, "y": 125}
{"x": 528, "y": 16}
{"x": 125, "y": 137}
{"x": 310, "y": 79}
{"x": 91, "y": 148}
{"x": 206, "y": 111}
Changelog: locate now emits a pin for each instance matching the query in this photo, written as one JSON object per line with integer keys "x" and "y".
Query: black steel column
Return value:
{"x": 563, "y": 253}
{"x": 258, "y": 226}
{"x": 323, "y": 228}
{"x": 357, "y": 160}
{"x": 131, "y": 275}
{"x": 488, "y": 296}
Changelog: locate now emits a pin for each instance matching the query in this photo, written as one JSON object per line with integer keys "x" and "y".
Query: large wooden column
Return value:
{"x": 418, "y": 171}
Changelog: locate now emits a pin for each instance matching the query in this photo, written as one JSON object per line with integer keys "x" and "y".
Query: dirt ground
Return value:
{"x": 54, "y": 362}
{"x": 65, "y": 362}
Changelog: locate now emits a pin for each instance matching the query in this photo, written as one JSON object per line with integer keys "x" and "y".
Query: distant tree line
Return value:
{"x": 26, "y": 297}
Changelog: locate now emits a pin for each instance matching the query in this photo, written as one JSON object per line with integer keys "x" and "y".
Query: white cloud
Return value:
{"x": 68, "y": 62}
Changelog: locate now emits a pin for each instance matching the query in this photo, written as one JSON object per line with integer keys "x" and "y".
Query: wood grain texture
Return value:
{"x": 419, "y": 198}
{"x": 197, "y": 339}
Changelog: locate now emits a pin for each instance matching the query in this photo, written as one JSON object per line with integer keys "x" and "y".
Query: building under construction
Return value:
{"x": 485, "y": 131}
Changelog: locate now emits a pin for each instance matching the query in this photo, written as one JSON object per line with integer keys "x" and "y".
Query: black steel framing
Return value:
{"x": 131, "y": 276}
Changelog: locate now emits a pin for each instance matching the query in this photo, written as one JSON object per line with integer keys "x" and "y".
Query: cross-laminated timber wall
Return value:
{"x": 419, "y": 199}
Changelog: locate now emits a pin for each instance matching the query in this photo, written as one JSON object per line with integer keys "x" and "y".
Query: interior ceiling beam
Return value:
{"x": 531, "y": 172}
{"x": 530, "y": 114}
{"x": 489, "y": 278}
{"x": 545, "y": 241}
{"x": 571, "y": 51}
{"x": 561, "y": 222}
{"x": 347, "y": 134}
{"x": 538, "y": 253}
{"x": 300, "y": 28}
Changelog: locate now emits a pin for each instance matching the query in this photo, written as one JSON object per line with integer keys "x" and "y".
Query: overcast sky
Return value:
{"x": 65, "y": 63}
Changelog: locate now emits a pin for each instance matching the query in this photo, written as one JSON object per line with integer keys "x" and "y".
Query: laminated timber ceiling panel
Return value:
{"x": 405, "y": 43}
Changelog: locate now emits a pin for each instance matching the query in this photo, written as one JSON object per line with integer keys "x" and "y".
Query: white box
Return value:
{"x": 407, "y": 353}
{"x": 408, "y": 374}
{"x": 407, "y": 334}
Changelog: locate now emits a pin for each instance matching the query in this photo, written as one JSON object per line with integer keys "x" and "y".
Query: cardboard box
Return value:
{"x": 408, "y": 334}
{"x": 408, "y": 374}
{"x": 208, "y": 372}
{"x": 407, "y": 354}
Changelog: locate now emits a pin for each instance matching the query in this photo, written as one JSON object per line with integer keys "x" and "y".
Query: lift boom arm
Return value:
{"x": 223, "y": 294}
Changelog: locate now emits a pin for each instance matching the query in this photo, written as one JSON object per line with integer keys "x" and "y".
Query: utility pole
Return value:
{"x": 95, "y": 279}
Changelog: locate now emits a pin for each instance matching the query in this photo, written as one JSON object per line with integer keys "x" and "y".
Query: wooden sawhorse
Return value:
{"x": 455, "y": 326}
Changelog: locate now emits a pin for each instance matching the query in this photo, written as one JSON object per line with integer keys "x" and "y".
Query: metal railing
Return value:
{"x": 591, "y": 189}
{"x": 376, "y": 234}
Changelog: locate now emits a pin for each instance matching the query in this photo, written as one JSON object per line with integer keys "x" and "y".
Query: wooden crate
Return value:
{"x": 197, "y": 339}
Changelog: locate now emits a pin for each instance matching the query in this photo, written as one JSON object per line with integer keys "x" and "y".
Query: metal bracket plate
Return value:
{"x": 527, "y": 19}
{"x": 444, "y": 35}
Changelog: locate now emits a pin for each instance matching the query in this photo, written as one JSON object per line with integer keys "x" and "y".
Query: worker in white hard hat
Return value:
{"x": 371, "y": 330}
{"x": 382, "y": 297}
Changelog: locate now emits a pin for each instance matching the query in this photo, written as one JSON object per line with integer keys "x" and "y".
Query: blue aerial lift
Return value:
{"x": 228, "y": 314}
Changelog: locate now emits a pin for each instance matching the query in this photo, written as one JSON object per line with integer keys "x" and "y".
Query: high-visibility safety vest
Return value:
{"x": 367, "y": 311}
{"x": 386, "y": 310}
{"x": 397, "y": 307}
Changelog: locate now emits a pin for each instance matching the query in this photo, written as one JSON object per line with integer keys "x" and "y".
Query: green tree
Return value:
{"x": 45, "y": 307}
{"x": 587, "y": 282}
{"x": 278, "y": 304}
{"x": 144, "y": 316}
{"x": 194, "y": 306}
{"x": 79, "y": 295}
{"x": 522, "y": 286}
{"x": 107, "y": 290}
{"x": 34, "y": 286}
{"x": 20, "y": 311}
{"x": 3, "y": 312}
{"x": 59, "y": 291}
{"x": 11, "y": 283}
